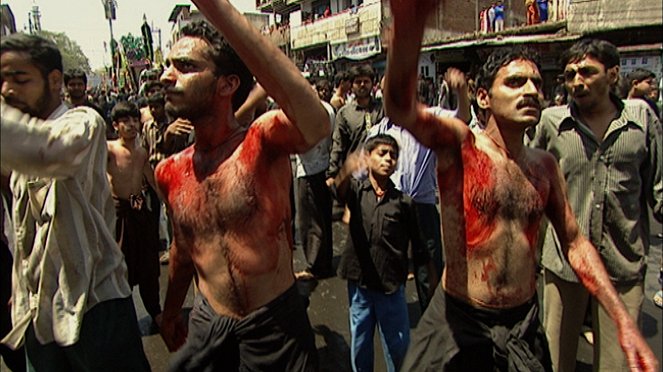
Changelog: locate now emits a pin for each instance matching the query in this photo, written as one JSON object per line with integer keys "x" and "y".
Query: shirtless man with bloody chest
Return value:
{"x": 494, "y": 192}
{"x": 228, "y": 197}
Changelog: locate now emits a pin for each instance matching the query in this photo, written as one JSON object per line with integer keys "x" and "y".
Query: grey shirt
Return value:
{"x": 352, "y": 125}
{"x": 610, "y": 182}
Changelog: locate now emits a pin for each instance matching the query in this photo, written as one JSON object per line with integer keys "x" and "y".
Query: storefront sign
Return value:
{"x": 357, "y": 49}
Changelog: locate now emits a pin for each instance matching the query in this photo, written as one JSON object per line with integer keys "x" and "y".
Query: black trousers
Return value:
{"x": 428, "y": 220}
{"x": 313, "y": 210}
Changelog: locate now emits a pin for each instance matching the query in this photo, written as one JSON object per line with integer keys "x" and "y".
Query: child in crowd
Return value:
{"x": 136, "y": 232}
{"x": 375, "y": 262}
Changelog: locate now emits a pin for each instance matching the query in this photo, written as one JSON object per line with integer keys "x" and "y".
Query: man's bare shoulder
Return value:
{"x": 543, "y": 160}
{"x": 173, "y": 164}
{"x": 274, "y": 131}
{"x": 112, "y": 145}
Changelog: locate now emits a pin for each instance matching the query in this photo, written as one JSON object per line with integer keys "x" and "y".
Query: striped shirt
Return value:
{"x": 66, "y": 259}
{"x": 153, "y": 140}
{"x": 609, "y": 184}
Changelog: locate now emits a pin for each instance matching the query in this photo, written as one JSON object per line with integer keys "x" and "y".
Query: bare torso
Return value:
{"x": 230, "y": 210}
{"x": 490, "y": 223}
{"x": 125, "y": 168}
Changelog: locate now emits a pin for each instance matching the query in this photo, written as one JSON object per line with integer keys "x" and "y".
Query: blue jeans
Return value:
{"x": 369, "y": 308}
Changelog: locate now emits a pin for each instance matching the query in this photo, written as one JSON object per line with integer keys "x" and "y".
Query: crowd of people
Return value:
{"x": 472, "y": 196}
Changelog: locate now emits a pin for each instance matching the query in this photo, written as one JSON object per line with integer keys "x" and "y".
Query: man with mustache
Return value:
{"x": 69, "y": 276}
{"x": 609, "y": 151}
{"x": 229, "y": 199}
{"x": 494, "y": 192}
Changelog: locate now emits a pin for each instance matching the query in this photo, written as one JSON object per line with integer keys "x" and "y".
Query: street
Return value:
{"x": 328, "y": 313}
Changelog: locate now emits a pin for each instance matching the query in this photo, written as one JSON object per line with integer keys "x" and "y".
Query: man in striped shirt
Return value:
{"x": 609, "y": 151}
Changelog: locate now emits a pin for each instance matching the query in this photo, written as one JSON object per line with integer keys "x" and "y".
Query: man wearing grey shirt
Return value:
{"x": 610, "y": 153}
{"x": 72, "y": 305}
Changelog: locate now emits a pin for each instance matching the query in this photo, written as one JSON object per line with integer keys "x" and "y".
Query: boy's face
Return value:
{"x": 127, "y": 127}
{"x": 382, "y": 160}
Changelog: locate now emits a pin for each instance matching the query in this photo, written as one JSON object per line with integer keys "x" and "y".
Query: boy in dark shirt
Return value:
{"x": 382, "y": 223}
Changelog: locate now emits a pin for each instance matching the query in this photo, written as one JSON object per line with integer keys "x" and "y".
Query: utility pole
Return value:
{"x": 109, "y": 11}
{"x": 476, "y": 15}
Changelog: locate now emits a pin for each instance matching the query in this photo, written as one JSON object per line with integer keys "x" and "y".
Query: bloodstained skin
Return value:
{"x": 478, "y": 201}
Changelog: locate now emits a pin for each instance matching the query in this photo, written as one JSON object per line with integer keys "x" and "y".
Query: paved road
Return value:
{"x": 329, "y": 305}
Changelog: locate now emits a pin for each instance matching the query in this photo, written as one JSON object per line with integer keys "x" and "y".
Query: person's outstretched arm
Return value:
{"x": 274, "y": 71}
{"x": 587, "y": 264}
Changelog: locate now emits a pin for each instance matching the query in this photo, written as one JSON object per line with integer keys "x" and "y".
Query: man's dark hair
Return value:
{"x": 498, "y": 59}
{"x": 604, "y": 51}
{"x": 362, "y": 71}
{"x": 224, "y": 57}
{"x": 124, "y": 109}
{"x": 340, "y": 77}
{"x": 156, "y": 99}
{"x": 75, "y": 73}
{"x": 381, "y": 139}
{"x": 322, "y": 83}
{"x": 150, "y": 84}
{"x": 638, "y": 75}
{"x": 43, "y": 52}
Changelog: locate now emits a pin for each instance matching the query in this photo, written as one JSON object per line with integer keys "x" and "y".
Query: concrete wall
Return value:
{"x": 597, "y": 15}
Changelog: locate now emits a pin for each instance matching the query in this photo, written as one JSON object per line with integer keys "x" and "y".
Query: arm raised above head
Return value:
{"x": 400, "y": 90}
{"x": 274, "y": 71}
{"x": 400, "y": 98}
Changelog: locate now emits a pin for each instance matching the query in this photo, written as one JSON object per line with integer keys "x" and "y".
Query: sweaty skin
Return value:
{"x": 526, "y": 183}
{"x": 494, "y": 216}
{"x": 230, "y": 209}
{"x": 127, "y": 165}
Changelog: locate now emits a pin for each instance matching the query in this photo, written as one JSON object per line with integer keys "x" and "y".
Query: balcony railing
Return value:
{"x": 351, "y": 24}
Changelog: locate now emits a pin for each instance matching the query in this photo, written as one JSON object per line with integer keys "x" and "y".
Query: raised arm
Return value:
{"x": 252, "y": 107}
{"x": 587, "y": 264}
{"x": 458, "y": 83}
{"x": 400, "y": 98}
{"x": 354, "y": 162}
{"x": 400, "y": 90}
{"x": 273, "y": 70}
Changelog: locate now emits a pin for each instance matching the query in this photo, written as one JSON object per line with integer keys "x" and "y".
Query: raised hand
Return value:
{"x": 456, "y": 79}
{"x": 412, "y": 12}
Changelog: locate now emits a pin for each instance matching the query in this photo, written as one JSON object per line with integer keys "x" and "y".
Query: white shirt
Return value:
{"x": 66, "y": 259}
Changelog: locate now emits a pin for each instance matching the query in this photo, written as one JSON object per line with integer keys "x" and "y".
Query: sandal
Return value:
{"x": 304, "y": 275}
{"x": 658, "y": 299}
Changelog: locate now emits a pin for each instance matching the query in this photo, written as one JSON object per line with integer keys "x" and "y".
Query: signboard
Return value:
{"x": 351, "y": 25}
{"x": 357, "y": 49}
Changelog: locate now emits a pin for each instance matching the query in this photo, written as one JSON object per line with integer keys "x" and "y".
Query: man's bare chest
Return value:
{"x": 223, "y": 199}
{"x": 503, "y": 189}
